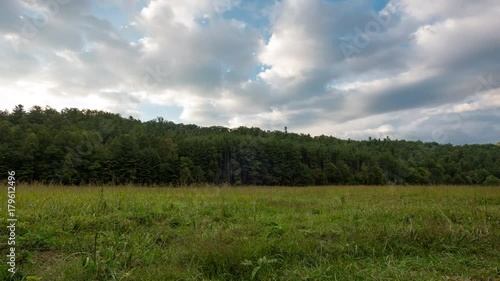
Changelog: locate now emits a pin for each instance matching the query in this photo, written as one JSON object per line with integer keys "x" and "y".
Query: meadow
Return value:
{"x": 255, "y": 233}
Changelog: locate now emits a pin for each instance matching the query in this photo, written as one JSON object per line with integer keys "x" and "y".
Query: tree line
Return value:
{"x": 78, "y": 147}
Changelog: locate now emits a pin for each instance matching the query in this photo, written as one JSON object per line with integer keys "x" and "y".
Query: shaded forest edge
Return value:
{"x": 76, "y": 147}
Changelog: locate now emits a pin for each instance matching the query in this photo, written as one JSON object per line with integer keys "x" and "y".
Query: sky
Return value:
{"x": 418, "y": 70}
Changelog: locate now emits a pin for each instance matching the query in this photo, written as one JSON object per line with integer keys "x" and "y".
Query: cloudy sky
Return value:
{"x": 421, "y": 70}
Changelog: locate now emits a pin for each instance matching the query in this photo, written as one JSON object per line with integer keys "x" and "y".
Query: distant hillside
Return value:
{"x": 87, "y": 146}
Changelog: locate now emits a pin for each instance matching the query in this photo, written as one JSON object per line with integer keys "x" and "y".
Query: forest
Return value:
{"x": 79, "y": 147}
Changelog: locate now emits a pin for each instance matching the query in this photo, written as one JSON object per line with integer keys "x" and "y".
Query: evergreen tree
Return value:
{"x": 88, "y": 146}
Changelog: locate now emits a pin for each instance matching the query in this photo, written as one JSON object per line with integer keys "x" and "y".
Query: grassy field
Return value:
{"x": 255, "y": 233}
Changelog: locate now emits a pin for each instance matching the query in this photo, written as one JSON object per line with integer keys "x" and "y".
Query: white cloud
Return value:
{"x": 273, "y": 119}
{"x": 286, "y": 70}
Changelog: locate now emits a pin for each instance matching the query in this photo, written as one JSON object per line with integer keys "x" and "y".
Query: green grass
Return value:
{"x": 256, "y": 233}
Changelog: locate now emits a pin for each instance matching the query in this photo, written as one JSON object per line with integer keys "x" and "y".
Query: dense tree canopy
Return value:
{"x": 87, "y": 146}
